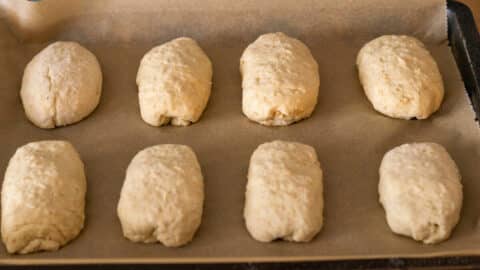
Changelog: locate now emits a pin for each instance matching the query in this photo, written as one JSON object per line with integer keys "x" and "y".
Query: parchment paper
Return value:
{"x": 349, "y": 136}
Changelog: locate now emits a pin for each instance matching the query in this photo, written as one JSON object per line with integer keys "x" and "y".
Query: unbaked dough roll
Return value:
{"x": 61, "y": 85}
{"x": 284, "y": 196}
{"x": 162, "y": 196}
{"x": 280, "y": 80}
{"x": 43, "y": 197}
{"x": 174, "y": 81}
{"x": 421, "y": 191}
{"x": 400, "y": 77}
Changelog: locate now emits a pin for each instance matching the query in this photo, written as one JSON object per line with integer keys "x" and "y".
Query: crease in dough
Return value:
{"x": 284, "y": 193}
{"x": 162, "y": 196}
{"x": 61, "y": 85}
{"x": 174, "y": 82}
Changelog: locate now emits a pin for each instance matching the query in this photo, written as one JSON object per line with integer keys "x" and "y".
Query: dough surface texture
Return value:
{"x": 421, "y": 192}
{"x": 162, "y": 196}
{"x": 61, "y": 85}
{"x": 400, "y": 77}
{"x": 174, "y": 82}
{"x": 284, "y": 194}
{"x": 280, "y": 80}
{"x": 43, "y": 197}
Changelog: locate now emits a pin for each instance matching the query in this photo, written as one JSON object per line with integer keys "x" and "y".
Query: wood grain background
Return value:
{"x": 475, "y": 7}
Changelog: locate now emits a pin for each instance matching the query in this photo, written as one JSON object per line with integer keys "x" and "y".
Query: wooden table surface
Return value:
{"x": 475, "y": 7}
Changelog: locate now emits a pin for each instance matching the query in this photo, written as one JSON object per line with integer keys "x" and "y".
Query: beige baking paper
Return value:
{"x": 349, "y": 136}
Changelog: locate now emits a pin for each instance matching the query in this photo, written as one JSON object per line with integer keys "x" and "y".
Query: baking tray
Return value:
{"x": 464, "y": 40}
{"x": 12, "y": 260}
